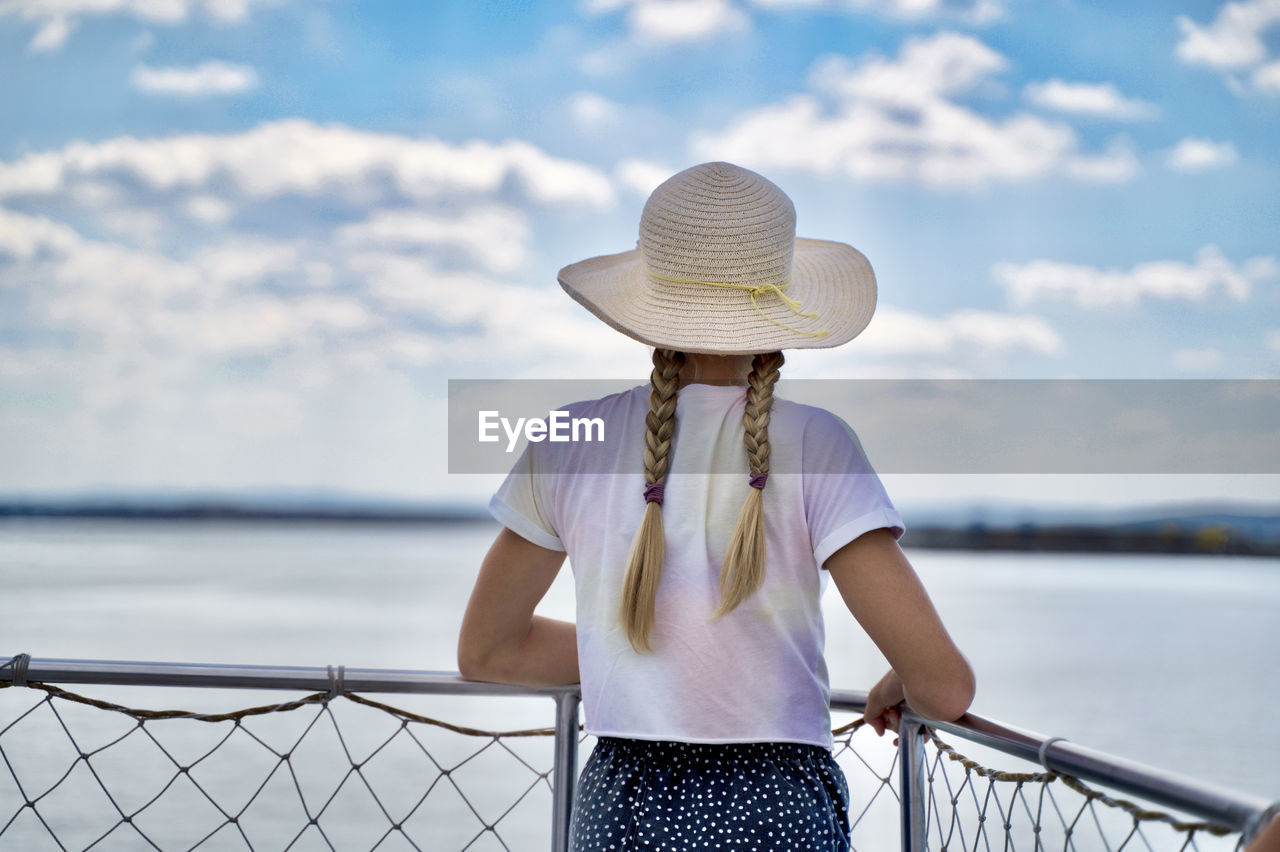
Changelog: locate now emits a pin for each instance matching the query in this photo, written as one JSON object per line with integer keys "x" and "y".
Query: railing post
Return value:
{"x": 565, "y": 770}
{"x": 912, "y": 782}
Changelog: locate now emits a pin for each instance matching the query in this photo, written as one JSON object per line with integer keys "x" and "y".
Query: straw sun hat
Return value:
{"x": 719, "y": 269}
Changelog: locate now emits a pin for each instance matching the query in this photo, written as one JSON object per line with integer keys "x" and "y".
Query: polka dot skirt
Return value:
{"x": 638, "y": 794}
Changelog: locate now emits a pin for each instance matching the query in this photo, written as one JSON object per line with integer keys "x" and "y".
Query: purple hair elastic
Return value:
{"x": 653, "y": 492}
{"x": 758, "y": 480}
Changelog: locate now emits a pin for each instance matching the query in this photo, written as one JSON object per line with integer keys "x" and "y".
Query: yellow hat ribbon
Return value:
{"x": 754, "y": 290}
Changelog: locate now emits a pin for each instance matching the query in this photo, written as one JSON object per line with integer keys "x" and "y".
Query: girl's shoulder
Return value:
{"x": 814, "y": 422}
{"x": 621, "y": 400}
{"x": 614, "y": 410}
{"x": 824, "y": 440}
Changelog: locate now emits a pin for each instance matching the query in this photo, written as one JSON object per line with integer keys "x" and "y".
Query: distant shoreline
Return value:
{"x": 1215, "y": 534}
{"x": 235, "y": 512}
{"x": 1206, "y": 540}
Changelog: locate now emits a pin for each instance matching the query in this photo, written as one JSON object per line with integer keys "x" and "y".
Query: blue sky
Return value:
{"x": 244, "y": 243}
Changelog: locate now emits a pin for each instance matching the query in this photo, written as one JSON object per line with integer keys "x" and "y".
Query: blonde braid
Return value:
{"x": 644, "y": 565}
{"x": 744, "y": 560}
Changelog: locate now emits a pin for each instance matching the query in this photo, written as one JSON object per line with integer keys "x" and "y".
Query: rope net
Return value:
{"x": 973, "y": 807}
{"x": 344, "y": 772}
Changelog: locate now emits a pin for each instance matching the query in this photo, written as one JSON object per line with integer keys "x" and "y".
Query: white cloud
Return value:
{"x": 1273, "y": 340}
{"x": 1266, "y": 78}
{"x": 1233, "y": 39}
{"x": 56, "y": 18}
{"x": 641, "y": 176}
{"x": 142, "y": 42}
{"x": 1101, "y": 100}
{"x": 412, "y": 348}
{"x": 96, "y": 194}
{"x": 482, "y": 316}
{"x": 246, "y": 263}
{"x": 665, "y": 22}
{"x": 972, "y": 11}
{"x": 895, "y": 119}
{"x": 451, "y": 298}
{"x": 597, "y": 7}
{"x": 902, "y": 333}
{"x": 1197, "y": 360}
{"x": 25, "y": 237}
{"x": 615, "y": 126}
{"x": 1233, "y": 42}
{"x": 924, "y": 70}
{"x": 1199, "y": 155}
{"x": 215, "y": 302}
{"x": 203, "y": 80}
{"x": 297, "y": 156}
{"x": 607, "y": 60}
{"x": 52, "y": 34}
{"x": 1092, "y": 287}
{"x": 296, "y": 284}
{"x": 262, "y": 323}
{"x": 591, "y": 111}
{"x": 676, "y": 21}
{"x": 1116, "y": 164}
{"x": 143, "y": 227}
{"x": 256, "y": 298}
{"x": 903, "y": 344}
{"x": 228, "y": 10}
{"x": 493, "y": 236}
{"x": 169, "y": 291}
{"x": 208, "y": 209}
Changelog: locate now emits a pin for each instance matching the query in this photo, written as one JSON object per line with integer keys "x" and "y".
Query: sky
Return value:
{"x": 244, "y": 244}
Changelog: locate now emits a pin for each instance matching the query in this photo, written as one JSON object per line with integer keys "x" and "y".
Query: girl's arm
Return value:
{"x": 883, "y": 592}
{"x": 501, "y": 639}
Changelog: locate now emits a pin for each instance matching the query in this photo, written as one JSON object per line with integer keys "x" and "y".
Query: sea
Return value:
{"x": 1171, "y": 661}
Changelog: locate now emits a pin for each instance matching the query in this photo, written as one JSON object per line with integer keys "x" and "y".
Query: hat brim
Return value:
{"x": 831, "y": 280}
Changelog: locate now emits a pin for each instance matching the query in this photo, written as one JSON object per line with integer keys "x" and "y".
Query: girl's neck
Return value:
{"x": 703, "y": 369}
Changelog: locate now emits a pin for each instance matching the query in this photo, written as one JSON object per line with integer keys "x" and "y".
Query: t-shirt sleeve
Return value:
{"x": 524, "y": 503}
{"x": 843, "y": 496}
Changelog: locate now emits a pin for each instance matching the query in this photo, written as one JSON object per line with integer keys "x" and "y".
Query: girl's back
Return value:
{"x": 756, "y": 673}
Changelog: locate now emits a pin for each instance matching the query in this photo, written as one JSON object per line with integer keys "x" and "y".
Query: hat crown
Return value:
{"x": 719, "y": 223}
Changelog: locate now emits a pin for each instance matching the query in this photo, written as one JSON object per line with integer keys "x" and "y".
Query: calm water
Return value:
{"x": 1170, "y": 661}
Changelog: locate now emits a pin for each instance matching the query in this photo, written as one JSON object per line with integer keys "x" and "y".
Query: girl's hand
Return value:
{"x": 883, "y": 704}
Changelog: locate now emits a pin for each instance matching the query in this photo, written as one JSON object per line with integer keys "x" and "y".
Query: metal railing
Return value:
{"x": 921, "y": 780}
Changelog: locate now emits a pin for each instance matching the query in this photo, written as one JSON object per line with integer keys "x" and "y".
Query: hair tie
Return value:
{"x": 653, "y": 492}
{"x": 758, "y": 480}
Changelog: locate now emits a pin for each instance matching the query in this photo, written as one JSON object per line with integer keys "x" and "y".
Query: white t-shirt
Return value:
{"x": 756, "y": 674}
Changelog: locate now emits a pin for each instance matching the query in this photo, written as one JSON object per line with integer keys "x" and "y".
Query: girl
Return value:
{"x": 701, "y": 539}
